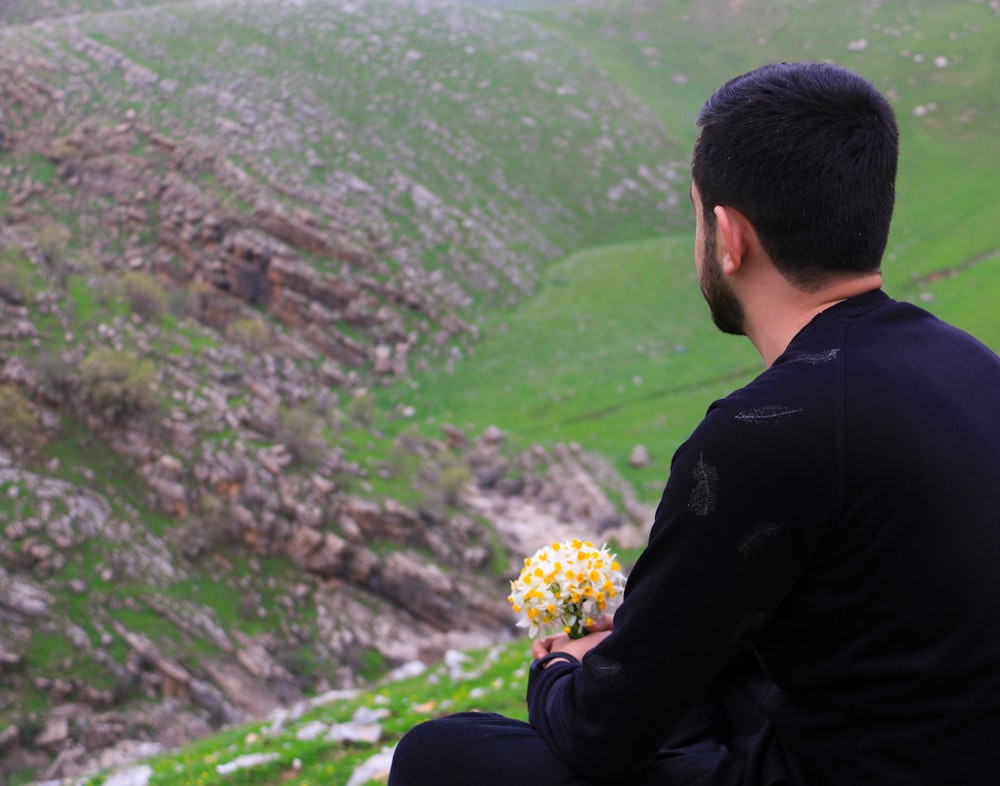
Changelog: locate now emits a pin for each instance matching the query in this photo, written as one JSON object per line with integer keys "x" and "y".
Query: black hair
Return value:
{"x": 808, "y": 153}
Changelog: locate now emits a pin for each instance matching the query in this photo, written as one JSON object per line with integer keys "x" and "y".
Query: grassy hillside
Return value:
{"x": 214, "y": 217}
{"x": 16, "y": 12}
{"x": 526, "y": 169}
{"x": 481, "y": 143}
{"x": 933, "y": 59}
{"x": 563, "y": 366}
{"x": 297, "y": 747}
{"x": 616, "y": 350}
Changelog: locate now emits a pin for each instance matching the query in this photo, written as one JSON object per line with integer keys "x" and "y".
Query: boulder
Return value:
{"x": 639, "y": 457}
{"x": 54, "y": 735}
{"x": 22, "y": 599}
{"x": 422, "y": 589}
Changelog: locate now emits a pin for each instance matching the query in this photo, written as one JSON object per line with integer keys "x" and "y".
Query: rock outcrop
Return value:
{"x": 210, "y": 550}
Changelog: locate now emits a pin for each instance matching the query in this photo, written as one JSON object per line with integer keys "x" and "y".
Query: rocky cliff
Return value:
{"x": 198, "y": 522}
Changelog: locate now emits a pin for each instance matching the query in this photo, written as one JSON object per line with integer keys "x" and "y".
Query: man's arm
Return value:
{"x": 729, "y": 540}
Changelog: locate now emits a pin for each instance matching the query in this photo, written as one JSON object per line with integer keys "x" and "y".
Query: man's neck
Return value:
{"x": 773, "y": 321}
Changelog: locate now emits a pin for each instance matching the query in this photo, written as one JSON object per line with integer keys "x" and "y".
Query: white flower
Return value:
{"x": 565, "y": 587}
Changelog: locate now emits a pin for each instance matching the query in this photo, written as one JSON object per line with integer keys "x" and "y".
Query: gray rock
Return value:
{"x": 639, "y": 457}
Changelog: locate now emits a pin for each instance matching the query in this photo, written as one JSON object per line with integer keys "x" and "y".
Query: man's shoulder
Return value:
{"x": 796, "y": 398}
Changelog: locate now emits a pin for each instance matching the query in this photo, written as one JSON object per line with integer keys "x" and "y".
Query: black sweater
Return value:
{"x": 841, "y": 514}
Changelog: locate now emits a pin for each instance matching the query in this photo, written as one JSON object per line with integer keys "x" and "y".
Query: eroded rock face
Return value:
{"x": 231, "y": 480}
{"x": 22, "y": 600}
{"x": 380, "y": 577}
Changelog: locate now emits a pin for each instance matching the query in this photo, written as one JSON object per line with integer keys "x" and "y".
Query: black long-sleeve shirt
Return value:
{"x": 841, "y": 514}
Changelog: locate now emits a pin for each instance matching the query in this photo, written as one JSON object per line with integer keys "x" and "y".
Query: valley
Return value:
{"x": 315, "y": 316}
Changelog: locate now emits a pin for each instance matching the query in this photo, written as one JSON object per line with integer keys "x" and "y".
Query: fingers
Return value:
{"x": 539, "y": 648}
{"x": 602, "y": 623}
{"x": 543, "y": 647}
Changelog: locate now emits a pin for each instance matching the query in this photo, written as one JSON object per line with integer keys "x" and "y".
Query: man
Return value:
{"x": 840, "y": 514}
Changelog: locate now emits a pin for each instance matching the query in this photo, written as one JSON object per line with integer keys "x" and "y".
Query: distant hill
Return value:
{"x": 604, "y": 332}
{"x": 19, "y": 12}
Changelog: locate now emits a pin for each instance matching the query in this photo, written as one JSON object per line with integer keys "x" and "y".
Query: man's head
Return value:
{"x": 726, "y": 310}
{"x": 807, "y": 153}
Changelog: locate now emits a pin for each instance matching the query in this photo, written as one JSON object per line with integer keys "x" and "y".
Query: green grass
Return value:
{"x": 41, "y": 169}
{"x": 93, "y": 304}
{"x": 493, "y": 680}
{"x": 23, "y": 11}
{"x": 616, "y": 349}
{"x": 228, "y": 600}
{"x": 52, "y": 654}
{"x": 432, "y": 96}
{"x": 79, "y": 451}
{"x": 561, "y": 367}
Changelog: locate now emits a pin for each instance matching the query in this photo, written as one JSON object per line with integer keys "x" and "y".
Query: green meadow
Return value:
{"x": 295, "y": 749}
{"x": 617, "y": 347}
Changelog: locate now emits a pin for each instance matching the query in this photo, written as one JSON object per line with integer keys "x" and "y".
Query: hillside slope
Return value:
{"x": 629, "y": 355}
{"x": 206, "y": 262}
{"x": 19, "y": 12}
{"x": 289, "y": 373}
{"x": 934, "y": 60}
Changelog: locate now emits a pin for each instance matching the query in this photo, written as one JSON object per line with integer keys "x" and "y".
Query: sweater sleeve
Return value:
{"x": 744, "y": 510}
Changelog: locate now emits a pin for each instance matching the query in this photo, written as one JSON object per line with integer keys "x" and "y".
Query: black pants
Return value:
{"x": 723, "y": 741}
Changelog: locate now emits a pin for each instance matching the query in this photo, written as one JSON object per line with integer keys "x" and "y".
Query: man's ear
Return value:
{"x": 736, "y": 236}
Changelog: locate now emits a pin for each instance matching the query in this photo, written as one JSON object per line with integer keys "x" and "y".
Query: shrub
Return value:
{"x": 452, "y": 478}
{"x": 301, "y": 432}
{"x": 361, "y": 408}
{"x": 190, "y": 301}
{"x": 180, "y": 304}
{"x": 302, "y": 662}
{"x": 57, "y": 371}
{"x": 118, "y": 385}
{"x": 63, "y": 148}
{"x": 15, "y": 281}
{"x": 19, "y": 424}
{"x": 53, "y": 241}
{"x": 145, "y": 295}
{"x": 251, "y": 334}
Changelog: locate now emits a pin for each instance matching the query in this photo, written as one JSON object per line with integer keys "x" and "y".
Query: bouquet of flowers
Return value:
{"x": 565, "y": 587}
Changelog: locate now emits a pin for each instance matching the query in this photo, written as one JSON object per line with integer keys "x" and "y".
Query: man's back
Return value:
{"x": 840, "y": 514}
{"x": 886, "y": 655}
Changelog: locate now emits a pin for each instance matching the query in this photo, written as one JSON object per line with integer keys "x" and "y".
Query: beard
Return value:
{"x": 727, "y": 311}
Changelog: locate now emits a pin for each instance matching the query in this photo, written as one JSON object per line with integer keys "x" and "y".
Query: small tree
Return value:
{"x": 361, "y": 408}
{"x": 19, "y": 424}
{"x": 57, "y": 372}
{"x": 15, "y": 280}
{"x": 251, "y": 334}
{"x": 118, "y": 385}
{"x": 53, "y": 241}
{"x": 302, "y": 433}
{"x": 453, "y": 477}
{"x": 145, "y": 295}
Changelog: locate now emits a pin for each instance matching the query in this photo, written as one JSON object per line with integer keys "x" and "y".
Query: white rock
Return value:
{"x": 375, "y": 768}
{"x": 136, "y": 776}
{"x": 639, "y": 457}
{"x": 369, "y": 733}
{"x": 413, "y": 668}
{"x": 368, "y": 715}
{"x": 246, "y": 762}
{"x": 311, "y": 731}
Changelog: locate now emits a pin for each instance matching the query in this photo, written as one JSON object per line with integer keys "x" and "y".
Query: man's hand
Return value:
{"x": 575, "y": 647}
